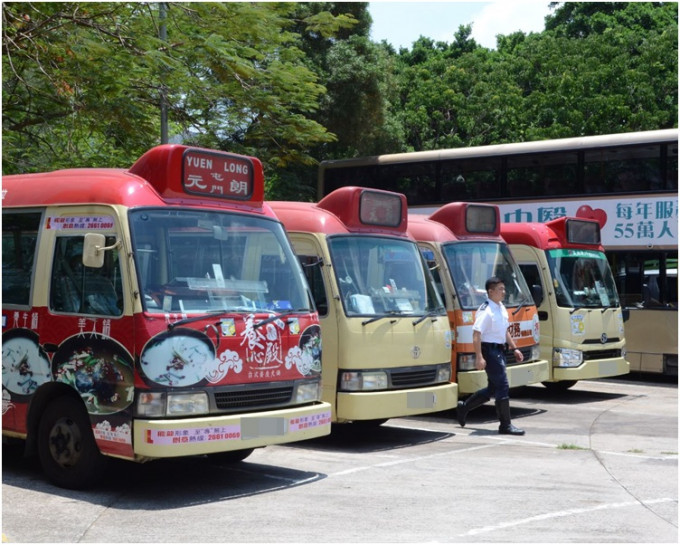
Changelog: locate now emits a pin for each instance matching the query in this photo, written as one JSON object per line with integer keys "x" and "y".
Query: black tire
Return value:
{"x": 560, "y": 386}
{"x": 68, "y": 453}
{"x": 369, "y": 424}
{"x": 230, "y": 456}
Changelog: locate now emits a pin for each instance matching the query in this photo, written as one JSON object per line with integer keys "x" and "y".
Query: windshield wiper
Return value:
{"x": 430, "y": 314}
{"x": 275, "y": 317}
{"x": 388, "y": 314}
{"x": 576, "y": 307}
{"x": 197, "y": 318}
{"x": 612, "y": 305}
{"x": 521, "y": 305}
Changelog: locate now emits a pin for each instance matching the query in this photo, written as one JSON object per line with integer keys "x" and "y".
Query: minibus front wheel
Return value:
{"x": 66, "y": 447}
{"x": 230, "y": 456}
{"x": 560, "y": 385}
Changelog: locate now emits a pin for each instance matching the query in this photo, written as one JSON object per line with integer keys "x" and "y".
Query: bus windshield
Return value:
{"x": 379, "y": 276}
{"x": 194, "y": 261}
{"x": 472, "y": 263}
{"x": 582, "y": 278}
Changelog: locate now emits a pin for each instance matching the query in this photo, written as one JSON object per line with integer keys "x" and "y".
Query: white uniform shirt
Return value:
{"x": 492, "y": 321}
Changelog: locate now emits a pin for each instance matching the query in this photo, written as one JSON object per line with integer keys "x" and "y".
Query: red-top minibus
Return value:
{"x": 386, "y": 338}
{"x": 153, "y": 312}
{"x": 582, "y": 326}
{"x": 462, "y": 245}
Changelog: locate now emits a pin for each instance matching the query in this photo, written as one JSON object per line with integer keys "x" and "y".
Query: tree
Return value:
{"x": 82, "y": 82}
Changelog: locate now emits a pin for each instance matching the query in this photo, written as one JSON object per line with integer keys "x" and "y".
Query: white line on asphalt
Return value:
{"x": 565, "y": 513}
{"x": 407, "y": 460}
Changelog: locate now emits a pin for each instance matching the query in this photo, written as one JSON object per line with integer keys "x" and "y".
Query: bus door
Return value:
{"x": 317, "y": 269}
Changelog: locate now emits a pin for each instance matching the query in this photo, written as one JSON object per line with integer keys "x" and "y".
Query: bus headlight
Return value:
{"x": 466, "y": 362}
{"x": 444, "y": 373}
{"x": 187, "y": 403}
{"x": 151, "y": 404}
{"x": 306, "y": 392}
{"x": 358, "y": 381}
{"x": 161, "y": 404}
{"x": 567, "y": 357}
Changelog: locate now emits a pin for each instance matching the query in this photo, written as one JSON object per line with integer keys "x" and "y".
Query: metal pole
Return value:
{"x": 163, "y": 35}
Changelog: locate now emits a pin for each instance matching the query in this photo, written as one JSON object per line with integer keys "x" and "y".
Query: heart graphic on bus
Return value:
{"x": 587, "y": 212}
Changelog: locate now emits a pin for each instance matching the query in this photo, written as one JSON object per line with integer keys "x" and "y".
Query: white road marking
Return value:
{"x": 565, "y": 513}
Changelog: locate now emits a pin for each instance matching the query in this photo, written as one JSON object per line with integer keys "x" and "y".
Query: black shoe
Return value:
{"x": 461, "y": 413}
{"x": 510, "y": 430}
{"x": 503, "y": 411}
{"x": 464, "y": 407}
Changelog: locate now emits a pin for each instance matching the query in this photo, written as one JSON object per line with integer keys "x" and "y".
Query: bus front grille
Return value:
{"x": 511, "y": 359}
{"x": 260, "y": 397}
{"x": 601, "y": 354}
{"x": 411, "y": 378}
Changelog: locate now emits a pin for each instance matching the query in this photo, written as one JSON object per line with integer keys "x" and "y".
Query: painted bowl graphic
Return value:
{"x": 25, "y": 365}
{"x": 181, "y": 357}
{"x": 99, "y": 368}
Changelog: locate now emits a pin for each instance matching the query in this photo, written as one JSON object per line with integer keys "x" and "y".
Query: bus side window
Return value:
{"x": 531, "y": 275}
{"x": 79, "y": 289}
{"x": 312, "y": 269}
{"x": 19, "y": 241}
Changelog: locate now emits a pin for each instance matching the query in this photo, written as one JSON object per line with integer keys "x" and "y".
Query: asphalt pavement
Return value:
{"x": 598, "y": 464}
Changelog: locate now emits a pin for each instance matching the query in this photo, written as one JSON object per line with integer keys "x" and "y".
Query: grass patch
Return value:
{"x": 636, "y": 451}
{"x": 565, "y": 446}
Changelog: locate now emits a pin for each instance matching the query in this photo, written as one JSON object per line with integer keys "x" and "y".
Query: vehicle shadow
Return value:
{"x": 365, "y": 438}
{"x": 161, "y": 484}
{"x": 572, "y": 396}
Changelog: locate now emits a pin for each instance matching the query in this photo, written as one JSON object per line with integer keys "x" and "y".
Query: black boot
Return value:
{"x": 503, "y": 411}
{"x": 464, "y": 407}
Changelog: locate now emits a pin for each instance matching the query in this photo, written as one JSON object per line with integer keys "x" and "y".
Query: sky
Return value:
{"x": 402, "y": 23}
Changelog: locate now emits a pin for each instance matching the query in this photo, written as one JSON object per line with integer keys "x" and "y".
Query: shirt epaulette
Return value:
{"x": 484, "y": 305}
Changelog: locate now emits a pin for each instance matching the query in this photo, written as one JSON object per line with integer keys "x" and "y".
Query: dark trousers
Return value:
{"x": 498, "y": 386}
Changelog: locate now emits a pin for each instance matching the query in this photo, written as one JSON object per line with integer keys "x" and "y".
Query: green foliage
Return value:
{"x": 294, "y": 83}
{"x": 83, "y": 82}
{"x": 598, "y": 68}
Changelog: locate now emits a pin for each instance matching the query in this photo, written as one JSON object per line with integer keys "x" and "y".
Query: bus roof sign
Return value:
{"x": 363, "y": 209}
{"x": 182, "y": 172}
{"x": 466, "y": 219}
{"x": 381, "y": 209}
{"x": 582, "y": 232}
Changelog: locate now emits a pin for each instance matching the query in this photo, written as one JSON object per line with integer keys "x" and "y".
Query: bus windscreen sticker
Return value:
{"x": 79, "y": 222}
{"x": 217, "y": 175}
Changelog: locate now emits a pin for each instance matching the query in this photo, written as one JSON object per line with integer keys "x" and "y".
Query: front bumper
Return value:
{"x": 212, "y": 434}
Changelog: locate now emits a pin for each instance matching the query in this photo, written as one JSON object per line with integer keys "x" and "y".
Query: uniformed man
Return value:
{"x": 490, "y": 336}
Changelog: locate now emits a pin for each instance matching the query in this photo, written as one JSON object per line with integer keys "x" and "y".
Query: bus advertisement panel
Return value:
{"x": 387, "y": 344}
{"x": 153, "y": 312}
{"x": 582, "y": 330}
{"x": 462, "y": 246}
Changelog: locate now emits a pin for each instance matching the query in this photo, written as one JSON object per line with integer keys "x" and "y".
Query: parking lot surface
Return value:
{"x": 599, "y": 463}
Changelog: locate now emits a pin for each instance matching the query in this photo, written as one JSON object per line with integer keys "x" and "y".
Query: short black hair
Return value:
{"x": 492, "y": 283}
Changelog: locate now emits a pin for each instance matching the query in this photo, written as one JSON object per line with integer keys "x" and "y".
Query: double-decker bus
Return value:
{"x": 462, "y": 245}
{"x": 628, "y": 182}
{"x": 153, "y": 312}
{"x": 387, "y": 342}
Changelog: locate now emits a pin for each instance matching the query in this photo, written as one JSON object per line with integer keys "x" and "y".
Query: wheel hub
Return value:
{"x": 65, "y": 442}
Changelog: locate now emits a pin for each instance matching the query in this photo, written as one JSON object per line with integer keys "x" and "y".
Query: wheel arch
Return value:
{"x": 41, "y": 399}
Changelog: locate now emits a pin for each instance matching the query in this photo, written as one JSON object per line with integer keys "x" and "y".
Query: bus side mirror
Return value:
{"x": 537, "y": 293}
{"x": 626, "y": 314}
{"x": 94, "y": 248}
